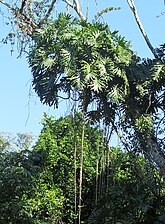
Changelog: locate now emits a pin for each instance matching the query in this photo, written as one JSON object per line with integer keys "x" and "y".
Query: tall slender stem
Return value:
{"x": 108, "y": 161}
{"x": 75, "y": 159}
{"x": 97, "y": 173}
{"x": 134, "y": 10}
{"x": 75, "y": 5}
{"x": 81, "y": 159}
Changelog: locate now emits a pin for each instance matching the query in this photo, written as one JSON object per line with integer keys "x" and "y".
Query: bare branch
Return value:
{"x": 29, "y": 8}
{"x": 77, "y": 4}
{"x": 8, "y": 5}
{"x": 22, "y": 18}
{"x": 22, "y": 6}
{"x": 76, "y": 7}
{"x": 134, "y": 10}
{"x": 49, "y": 11}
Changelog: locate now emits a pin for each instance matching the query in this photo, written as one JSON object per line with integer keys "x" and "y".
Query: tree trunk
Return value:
{"x": 154, "y": 154}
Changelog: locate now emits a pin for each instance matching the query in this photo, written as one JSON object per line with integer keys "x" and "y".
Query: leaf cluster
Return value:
{"x": 71, "y": 54}
{"x": 38, "y": 185}
{"x": 134, "y": 195}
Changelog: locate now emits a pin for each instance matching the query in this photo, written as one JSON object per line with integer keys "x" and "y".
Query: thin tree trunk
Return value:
{"x": 76, "y": 6}
{"x": 97, "y": 173}
{"x": 134, "y": 10}
{"x": 153, "y": 153}
{"x": 150, "y": 148}
{"x": 104, "y": 174}
{"x": 75, "y": 173}
{"x": 81, "y": 163}
{"x": 75, "y": 156}
{"x": 100, "y": 179}
{"x": 108, "y": 159}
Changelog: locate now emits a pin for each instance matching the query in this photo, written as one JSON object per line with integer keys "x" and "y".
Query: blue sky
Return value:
{"x": 22, "y": 111}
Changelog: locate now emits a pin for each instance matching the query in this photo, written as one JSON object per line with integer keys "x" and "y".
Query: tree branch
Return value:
{"x": 49, "y": 10}
{"x": 21, "y": 18}
{"x": 134, "y": 10}
{"x": 8, "y": 5}
{"x": 76, "y": 7}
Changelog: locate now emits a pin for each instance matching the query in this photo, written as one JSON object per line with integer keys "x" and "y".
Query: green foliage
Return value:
{"x": 135, "y": 193}
{"x": 44, "y": 206}
{"x": 71, "y": 54}
{"x": 144, "y": 125}
{"x": 17, "y": 176}
{"x": 106, "y": 10}
{"x": 129, "y": 93}
{"x": 25, "y": 197}
{"x": 38, "y": 186}
{"x": 4, "y": 143}
{"x": 19, "y": 141}
{"x": 24, "y": 141}
{"x": 56, "y": 145}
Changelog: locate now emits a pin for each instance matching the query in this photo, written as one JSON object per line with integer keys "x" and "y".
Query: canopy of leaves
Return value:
{"x": 37, "y": 186}
{"x": 17, "y": 178}
{"x": 132, "y": 195}
{"x": 70, "y": 54}
{"x": 56, "y": 147}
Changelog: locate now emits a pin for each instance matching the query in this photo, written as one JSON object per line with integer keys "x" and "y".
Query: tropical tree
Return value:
{"x": 100, "y": 66}
{"x": 41, "y": 185}
{"x": 101, "y": 69}
{"x": 59, "y": 147}
{"x": 132, "y": 196}
{"x": 104, "y": 68}
{"x": 17, "y": 176}
{"x": 84, "y": 61}
{"x": 117, "y": 186}
{"x": 26, "y": 197}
